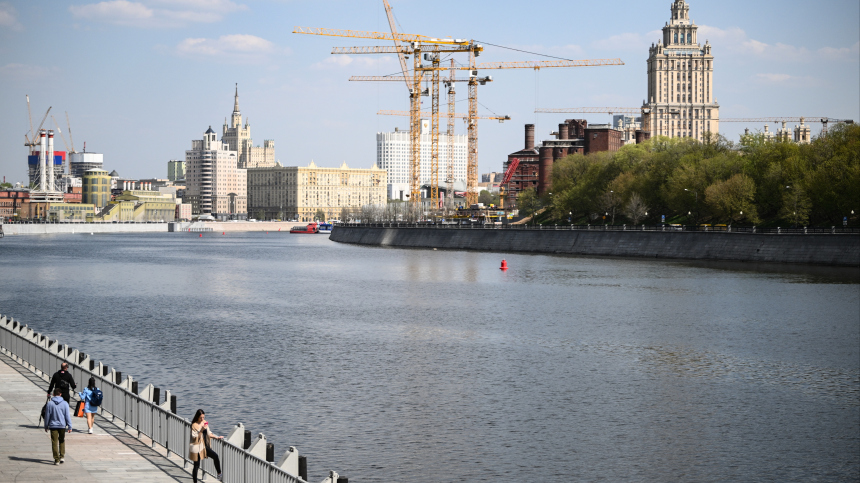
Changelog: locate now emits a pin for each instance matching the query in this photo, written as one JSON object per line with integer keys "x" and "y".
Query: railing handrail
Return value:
{"x": 724, "y": 229}
{"x": 151, "y": 419}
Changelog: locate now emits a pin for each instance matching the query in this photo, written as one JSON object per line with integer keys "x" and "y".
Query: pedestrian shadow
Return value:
{"x": 32, "y": 460}
{"x": 30, "y": 426}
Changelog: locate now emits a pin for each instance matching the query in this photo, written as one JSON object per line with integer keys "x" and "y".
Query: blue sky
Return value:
{"x": 141, "y": 78}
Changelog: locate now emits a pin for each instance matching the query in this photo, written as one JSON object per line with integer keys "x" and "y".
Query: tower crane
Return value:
{"x": 32, "y": 142}
{"x": 592, "y": 110}
{"x": 72, "y": 140}
{"x": 434, "y": 69}
{"x": 425, "y": 114}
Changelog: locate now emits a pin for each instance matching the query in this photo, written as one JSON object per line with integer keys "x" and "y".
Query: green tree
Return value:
{"x": 488, "y": 198}
{"x": 5, "y": 186}
{"x": 319, "y": 215}
{"x": 528, "y": 202}
{"x": 733, "y": 199}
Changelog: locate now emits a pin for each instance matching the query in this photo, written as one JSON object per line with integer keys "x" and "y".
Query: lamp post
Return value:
{"x": 794, "y": 192}
{"x": 570, "y": 217}
{"x": 697, "y": 204}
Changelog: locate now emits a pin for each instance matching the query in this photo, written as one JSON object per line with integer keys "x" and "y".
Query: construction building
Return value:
{"x": 176, "y": 171}
{"x": 138, "y": 206}
{"x": 215, "y": 185}
{"x": 291, "y": 192}
{"x": 238, "y": 139}
{"x": 70, "y": 212}
{"x": 680, "y": 100}
{"x": 80, "y": 163}
{"x": 393, "y": 154}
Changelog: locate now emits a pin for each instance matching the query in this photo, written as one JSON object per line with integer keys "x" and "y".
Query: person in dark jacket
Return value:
{"x": 62, "y": 379}
{"x": 58, "y": 419}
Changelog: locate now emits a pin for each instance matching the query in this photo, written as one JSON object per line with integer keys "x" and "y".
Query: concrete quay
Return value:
{"x": 108, "y": 455}
{"x": 814, "y": 249}
{"x": 13, "y": 229}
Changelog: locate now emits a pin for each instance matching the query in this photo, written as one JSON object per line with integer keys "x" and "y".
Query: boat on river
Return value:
{"x": 310, "y": 228}
{"x": 325, "y": 227}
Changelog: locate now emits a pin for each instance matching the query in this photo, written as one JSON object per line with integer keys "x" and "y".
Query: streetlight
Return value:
{"x": 570, "y": 217}
{"x": 697, "y": 204}
{"x": 795, "y": 205}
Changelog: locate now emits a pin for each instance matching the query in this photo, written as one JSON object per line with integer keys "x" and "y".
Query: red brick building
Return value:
{"x": 11, "y": 201}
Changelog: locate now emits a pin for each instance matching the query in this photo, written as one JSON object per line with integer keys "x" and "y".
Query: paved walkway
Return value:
{"x": 108, "y": 455}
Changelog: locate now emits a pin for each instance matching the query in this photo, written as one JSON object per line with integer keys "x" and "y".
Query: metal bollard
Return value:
{"x": 303, "y": 467}
{"x": 156, "y": 395}
{"x": 105, "y": 371}
{"x": 270, "y": 452}
{"x": 134, "y": 387}
{"x": 81, "y": 357}
{"x": 173, "y": 404}
{"x": 92, "y": 365}
{"x": 247, "y": 443}
{"x": 342, "y": 479}
{"x": 118, "y": 379}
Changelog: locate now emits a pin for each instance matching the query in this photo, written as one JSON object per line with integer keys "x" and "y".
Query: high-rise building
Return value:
{"x": 80, "y": 163}
{"x": 393, "y": 152}
{"x": 680, "y": 99}
{"x": 238, "y": 138}
{"x": 215, "y": 185}
{"x": 176, "y": 170}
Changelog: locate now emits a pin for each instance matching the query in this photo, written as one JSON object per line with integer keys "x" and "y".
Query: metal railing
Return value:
{"x": 143, "y": 412}
{"x": 833, "y": 230}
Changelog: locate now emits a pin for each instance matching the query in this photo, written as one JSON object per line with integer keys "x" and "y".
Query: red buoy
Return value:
{"x": 201, "y": 235}
{"x": 223, "y": 233}
{"x": 504, "y": 265}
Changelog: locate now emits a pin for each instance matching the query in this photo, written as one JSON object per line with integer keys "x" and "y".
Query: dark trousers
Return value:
{"x": 215, "y": 459}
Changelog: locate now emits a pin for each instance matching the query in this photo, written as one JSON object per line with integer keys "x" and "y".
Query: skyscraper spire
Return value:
{"x": 236, "y": 103}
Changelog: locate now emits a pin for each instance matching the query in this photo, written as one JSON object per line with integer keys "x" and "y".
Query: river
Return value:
{"x": 428, "y": 365}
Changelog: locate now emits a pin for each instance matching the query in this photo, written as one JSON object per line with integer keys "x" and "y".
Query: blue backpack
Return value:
{"x": 96, "y": 398}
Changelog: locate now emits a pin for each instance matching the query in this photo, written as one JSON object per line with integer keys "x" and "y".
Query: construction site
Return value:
{"x": 680, "y": 103}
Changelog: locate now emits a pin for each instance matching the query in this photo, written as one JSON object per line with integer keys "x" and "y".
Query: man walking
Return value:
{"x": 58, "y": 419}
{"x": 63, "y": 380}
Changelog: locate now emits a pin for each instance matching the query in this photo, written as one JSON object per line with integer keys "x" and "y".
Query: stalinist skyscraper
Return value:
{"x": 239, "y": 140}
{"x": 681, "y": 81}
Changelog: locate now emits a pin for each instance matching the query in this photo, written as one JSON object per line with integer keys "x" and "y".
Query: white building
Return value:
{"x": 628, "y": 125}
{"x": 393, "y": 151}
{"x": 239, "y": 140}
{"x": 681, "y": 99}
{"x": 215, "y": 185}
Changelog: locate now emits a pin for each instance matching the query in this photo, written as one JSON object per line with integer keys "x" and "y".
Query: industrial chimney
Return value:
{"x": 530, "y": 136}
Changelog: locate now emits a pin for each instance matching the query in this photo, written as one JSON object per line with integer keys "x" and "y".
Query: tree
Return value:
{"x": 795, "y": 206}
{"x": 608, "y": 202}
{"x": 733, "y": 199}
{"x": 488, "y": 198}
{"x": 344, "y": 215}
{"x": 319, "y": 215}
{"x": 5, "y": 186}
{"x": 636, "y": 209}
{"x": 528, "y": 202}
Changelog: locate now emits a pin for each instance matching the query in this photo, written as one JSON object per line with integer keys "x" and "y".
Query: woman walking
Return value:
{"x": 199, "y": 447}
{"x": 90, "y": 406}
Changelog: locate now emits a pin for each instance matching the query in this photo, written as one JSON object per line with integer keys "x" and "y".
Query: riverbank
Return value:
{"x": 814, "y": 249}
{"x": 13, "y": 229}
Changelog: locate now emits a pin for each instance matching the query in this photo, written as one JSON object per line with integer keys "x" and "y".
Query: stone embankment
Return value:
{"x": 12, "y": 229}
{"x": 816, "y": 249}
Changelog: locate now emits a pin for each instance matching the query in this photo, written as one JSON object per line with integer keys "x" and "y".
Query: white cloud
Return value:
{"x": 237, "y": 48}
{"x": 149, "y": 13}
{"x": 9, "y": 17}
{"x": 773, "y": 79}
{"x": 736, "y": 41}
{"x": 359, "y": 61}
{"x": 845, "y": 53}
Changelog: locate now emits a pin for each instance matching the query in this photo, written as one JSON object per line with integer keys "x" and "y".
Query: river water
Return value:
{"x": 427, "y": 366}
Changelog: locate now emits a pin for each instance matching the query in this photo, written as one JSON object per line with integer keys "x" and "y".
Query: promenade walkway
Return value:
{"x": 108, "y": 455}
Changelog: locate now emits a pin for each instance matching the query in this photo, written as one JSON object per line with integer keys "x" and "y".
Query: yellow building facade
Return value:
{"x": 300, "y": 192}
{"x": 70, "y": 211}
{"x": 139, "y": 207}
{"x": 95, "y": 188}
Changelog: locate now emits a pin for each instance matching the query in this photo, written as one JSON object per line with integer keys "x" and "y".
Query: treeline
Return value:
{"x": 757, "y": 181}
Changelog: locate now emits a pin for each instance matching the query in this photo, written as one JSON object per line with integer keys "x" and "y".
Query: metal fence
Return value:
{"x": 141, "y": 412}
{"x": 833, "y": 230}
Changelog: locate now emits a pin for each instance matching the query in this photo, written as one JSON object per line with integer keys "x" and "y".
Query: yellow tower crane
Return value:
{"x": 419, "y": 69}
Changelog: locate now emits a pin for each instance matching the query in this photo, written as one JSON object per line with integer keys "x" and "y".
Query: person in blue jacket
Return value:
{"x": 89, "y": 408}
{"x": 58, "y": 419}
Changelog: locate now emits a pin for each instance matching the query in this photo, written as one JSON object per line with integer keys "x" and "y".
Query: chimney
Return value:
{"x": 530, "y": 136}
{"x": 544, "y": 169}
{"x": 42, "y": 147}
{"x": 50, "y": 159}
{"x": 562, "y": 132}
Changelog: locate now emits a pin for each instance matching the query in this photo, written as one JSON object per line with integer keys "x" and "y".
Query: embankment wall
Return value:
{"x": 11, "y": 229}
{"x": 817, "y": 249}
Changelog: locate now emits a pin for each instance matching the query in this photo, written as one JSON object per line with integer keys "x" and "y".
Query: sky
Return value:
{"x": 140, "y": 79}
